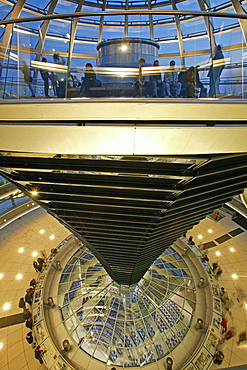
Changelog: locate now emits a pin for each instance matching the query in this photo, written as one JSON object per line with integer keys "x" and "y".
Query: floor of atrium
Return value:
{"x": 25, "y": 233}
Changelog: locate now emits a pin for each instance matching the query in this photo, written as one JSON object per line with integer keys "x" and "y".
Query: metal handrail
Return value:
{"x": 124, "y": 12}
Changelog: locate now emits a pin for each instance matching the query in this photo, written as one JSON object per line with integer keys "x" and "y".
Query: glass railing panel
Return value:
{"x": 231, "y": 80}
{"x": 114, "y": 64}
{"x": 12, "y": 201}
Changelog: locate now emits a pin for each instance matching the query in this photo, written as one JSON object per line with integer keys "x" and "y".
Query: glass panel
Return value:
{"x": 122, "y": 325}
{"x": 113, "y": 68}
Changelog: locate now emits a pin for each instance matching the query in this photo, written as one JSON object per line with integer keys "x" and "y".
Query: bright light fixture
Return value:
{"x": 34, "y": 192}
{"x": 200, "y": 236}
{"x": 6, "y": 306}
{"x": 232, "y": 249}
{"x": 21, "y": 250}
{"x": 124, "y": 47}
{"x": 210, "y": 231}
{"x": 41, "y": 231}
{"x": 234, "y": 276}
{"x": 19, "y": 276}
{"x": 217, "y": 253}
{"x": 245, "y": 305}
{"x": 1, "y": 345}
{"x": 34, "y": 254}
{"x": 52, "y": 237}
{"x": 1, "y": 276}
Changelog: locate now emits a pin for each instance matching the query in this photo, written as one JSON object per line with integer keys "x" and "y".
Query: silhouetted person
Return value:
{"x": 61, "y": 76}
{"x": 140, "y": 83}
{"x": 218, "y": 358}
{"x": 27, "y": 314}
{"x": 29, "y": 299}
{"x": 242, "y": 337}
{"x": 89, "y": 80}
{"x": 29, "y": 337}
{"x": 33, "y": 283}
{"x": 37, "y": 354}
{"x": 22, "y": 304}
{"x": 29, "y": 323}
{"x": 171, "y": 80}
{"x": 217, "y": 66}
{"x": 157, "y": 83}
{"x": 45, "y": 77}
{"x": 37, "y": 267}
{"x": 27, "y": 77}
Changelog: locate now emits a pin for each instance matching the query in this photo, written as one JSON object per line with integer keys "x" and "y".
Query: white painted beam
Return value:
{"x": 102, "y": 140}
{"x": 127, "y": 109}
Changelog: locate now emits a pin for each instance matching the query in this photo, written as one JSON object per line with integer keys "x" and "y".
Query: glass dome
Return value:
{"x": 186, "y": 31}
{"x": 122, "y": 325}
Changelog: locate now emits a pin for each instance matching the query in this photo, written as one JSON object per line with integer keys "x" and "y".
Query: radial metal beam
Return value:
{"x": 9, "y": 29}
{"x": 72, "y": 39}
{"x": 74, "y": 28}
{"x": 243, "y": 23}
{"x": 126, "y": 20}
{"x": 151, "y": 27}
{"x": 208, "y": 22}
{"x": 180, "y": 36}
{"x": 44, "y": 30}
{"x": 101, "y": 24}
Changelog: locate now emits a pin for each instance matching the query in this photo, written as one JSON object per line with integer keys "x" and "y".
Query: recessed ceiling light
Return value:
{"x": 217, "y": 253}
{"x": 232, "y": 249}
{"x": 1, "y": 345}
{"x": 1, "y": 276}
{"x": 124, "y": 47}
{"x": 200, "y": 236}
{"x": 34, "y": 254}
{"x": 41, "y": 231}
{"x": 210, "y": 231}
{"x": 245, "y": 305}
{"x": 32, "y": 204}
{"x": 34, "y": 192}
{"x": 6, "y": 306}
{"x": 21, "y": 250}
{"x": 19, "y": 276}
{"x": 4, "y": 220}
{"x": 234, "y": 276}
{"x": 52, "y": 237}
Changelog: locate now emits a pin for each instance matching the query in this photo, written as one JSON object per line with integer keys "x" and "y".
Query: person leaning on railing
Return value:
{"x": 89, "y": 80}
{"x": 61, "y": 76}
{"x": 171, "y": 81}
{"x": 217, "y": 66}
{"x": 157, "y": 85}
{"x": 27, "y": 77}
{"x": 142, "y": 86}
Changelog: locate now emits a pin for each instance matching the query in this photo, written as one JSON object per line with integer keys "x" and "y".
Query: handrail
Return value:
{"x": 124, "y": 12}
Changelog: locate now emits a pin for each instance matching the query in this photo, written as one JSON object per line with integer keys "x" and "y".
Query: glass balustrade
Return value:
{"x": 96, "y": 54}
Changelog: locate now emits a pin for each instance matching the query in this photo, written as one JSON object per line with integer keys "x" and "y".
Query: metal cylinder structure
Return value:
{"x": 125, "y": 52}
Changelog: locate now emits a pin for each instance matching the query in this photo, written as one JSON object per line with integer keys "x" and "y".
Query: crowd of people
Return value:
{"x": 25, "y": 303}
{"x": 228, "y": 329}
{"x": 185, "y": 83}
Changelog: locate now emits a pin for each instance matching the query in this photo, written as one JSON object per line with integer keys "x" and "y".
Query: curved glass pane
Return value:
{"x": 124, "y": 325}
